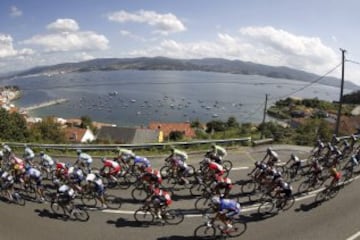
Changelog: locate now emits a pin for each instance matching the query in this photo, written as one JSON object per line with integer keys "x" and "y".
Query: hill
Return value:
{"x": 162, "y": 63}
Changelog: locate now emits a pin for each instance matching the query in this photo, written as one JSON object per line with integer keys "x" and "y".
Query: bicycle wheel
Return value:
{"x": 173, "y": 217}
{"x": 139, "y": 194}
{"x": 144, "y": 216}
{"x": 321, "y": 197}
{"x": 18, "y": 199}
{"x": 333, "y": 191}
{"x": 238, "y": 228}
{"x": 112, "y": 202}
{"x": 57, "y": 209}
{"x": 164, "y": 172}
{"x": 227, "y": 165}
{"x": 256, "y": 196}
{"x": 289, "y": 202}
{"x": 304, "y": 187}
{"x": 88, "y": 200}
{"x": 201, "y": 204}
{"x": 80, "y": 214}
{"x": 29, "y": 193}
{"x": 266, "y": 207}
{"x": 248, "y": 187}
{"x": 205, "y": 232}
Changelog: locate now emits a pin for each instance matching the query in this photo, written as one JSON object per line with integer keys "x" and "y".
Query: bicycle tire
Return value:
{"x": 205, "y": 232}
{"x": 321, "y": 197}
{"x": 201, "y": 204}
{"x": 288, "y": 204}
{"x": 165, "y": 172}
{"x": 248, "y": 187}
{"x": 81, "y": 214}
{"x": 139, "y": 194}
{"x": 196, "y": 190}
{"x": 57, "y": 209}
{"x": 88, "y": 200}
{"x": 238, "y": 228}
{"x": 17, "y": 199}
{"x": 333, "y": 192}
{"x": 304, "y": 187}
{"x": 266, "y": 207}
{"x": 144, "y": 216}
{"x": 227, "y": 164}
{"x": 173, "y": 217}
{"x": 113, "y": 202}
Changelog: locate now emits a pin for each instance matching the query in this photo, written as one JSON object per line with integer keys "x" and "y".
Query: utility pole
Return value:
{"x": 341, "y": 93}
{"x": 264, "y": 116}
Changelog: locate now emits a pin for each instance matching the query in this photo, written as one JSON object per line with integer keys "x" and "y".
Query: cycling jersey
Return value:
{"x": 177, "y": 154}
{"x": 163, "y": 196}
{"x": 217, "y": 168}
{"x": 229, "y": 207}
{"x": 152, "y": 176}
{"x": 86, "y": 158}
{"x": 35, "y": 175}
{"x": 47, "y": 160}
{"x": 142, "y": 161}
{"x": 76, "y": 174}
{"x": 29, "y": 153}
{"x": 113, "y": 166}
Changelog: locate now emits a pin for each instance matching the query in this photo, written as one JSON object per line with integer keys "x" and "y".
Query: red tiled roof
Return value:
{"x": 167, "y": 128}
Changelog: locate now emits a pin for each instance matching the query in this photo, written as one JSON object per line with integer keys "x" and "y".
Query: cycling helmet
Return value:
{"x": 213, "y": 145}
{"x": 25, "y": 145}
{"x": 27, "y": 167}
{"x": 333, "y": 170}
{"x": 103, "y": 159}
{"x": 78, "y": 151}
{"x": 71, "y": 170}
{"x": 67, "y": 165}
{"x": 90, "y": 177}
{"x": 257, "y": 163}
{"x": 42, "y": 153}
{"x": 207, "y": 161}
{"x": 16, "y": 166}
{"x": 269, "y": 149}
{"x": 172, "y": 149}
{"x": 215, "y": 200}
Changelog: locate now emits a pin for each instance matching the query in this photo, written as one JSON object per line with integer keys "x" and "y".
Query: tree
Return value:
{"x": 86, "y": 122}
{"x": 232, "y": 122}
{"x": 215, "y": 125}
{"x": 12, "y": 126}
{"x": 48, "y": 130}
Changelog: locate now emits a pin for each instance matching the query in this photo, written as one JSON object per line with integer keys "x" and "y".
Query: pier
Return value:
{"x": 45, "y": 104}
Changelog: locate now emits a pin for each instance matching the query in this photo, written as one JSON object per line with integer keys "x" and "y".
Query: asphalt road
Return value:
{"x": 337, "y": 219}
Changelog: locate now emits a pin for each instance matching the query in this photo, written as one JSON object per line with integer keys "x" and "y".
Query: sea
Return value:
{"x": 136, "y": 98}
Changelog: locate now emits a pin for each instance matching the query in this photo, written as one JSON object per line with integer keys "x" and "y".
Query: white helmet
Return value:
{"x": 215, "y": 200}
{"x": 90, "y": 177}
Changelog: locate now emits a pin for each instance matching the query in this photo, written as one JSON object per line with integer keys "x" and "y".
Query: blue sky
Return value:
{"x": 305, "y": 34}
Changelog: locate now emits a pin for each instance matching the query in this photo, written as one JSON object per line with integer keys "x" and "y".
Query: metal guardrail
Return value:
{"x": 110, "y": 147}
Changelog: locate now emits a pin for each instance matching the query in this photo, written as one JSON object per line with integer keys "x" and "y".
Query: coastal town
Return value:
{"x": 106, "y": 132}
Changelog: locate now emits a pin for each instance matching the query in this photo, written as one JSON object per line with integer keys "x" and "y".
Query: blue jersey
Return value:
{"x": 142, "y": 161}
{"x": 228, "y": 204}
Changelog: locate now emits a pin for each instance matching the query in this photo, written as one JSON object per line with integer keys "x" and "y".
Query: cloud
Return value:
{"x": 67, "y": 38}
{"x": 63, "y": 25}
{"x": 263, "y": 45}
{"x": 7, "y": 49}
{"x": 15, "y": 12}
{"x": 164, "y": 23}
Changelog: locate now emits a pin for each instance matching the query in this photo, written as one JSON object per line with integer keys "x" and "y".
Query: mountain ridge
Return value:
{"x": 163, "y": 63}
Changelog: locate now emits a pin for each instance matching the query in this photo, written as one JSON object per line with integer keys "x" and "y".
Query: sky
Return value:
{"x": 306, "y": 35}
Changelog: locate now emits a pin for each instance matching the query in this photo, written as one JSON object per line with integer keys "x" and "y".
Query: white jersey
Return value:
{"x": 85, "y": 158}
{"x": 29, "y": 153}
{"x": 48, "y": 160}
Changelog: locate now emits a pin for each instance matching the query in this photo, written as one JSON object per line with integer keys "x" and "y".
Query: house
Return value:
{"x": 127, "y": 135}
{"x": 79, "y": 135}
{"x": 167, "y": 128}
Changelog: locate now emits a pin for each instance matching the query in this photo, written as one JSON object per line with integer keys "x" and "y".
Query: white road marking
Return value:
{"x": 354, "y": 236}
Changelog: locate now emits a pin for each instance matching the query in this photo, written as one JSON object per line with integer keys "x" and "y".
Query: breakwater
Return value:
{"x": 45, "y": 104}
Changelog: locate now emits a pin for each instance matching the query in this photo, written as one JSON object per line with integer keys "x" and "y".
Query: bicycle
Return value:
{"x": 312, "y": 182}
{"x": 274, "y": 205}
{"x": 328, "y": 193}
{"x": 146, "y": 214}
{"x": 69, "y": 210}
{"x": 208, "y": 230}
{"x": 89, "y": 199}
{"x": 13, "y": 197}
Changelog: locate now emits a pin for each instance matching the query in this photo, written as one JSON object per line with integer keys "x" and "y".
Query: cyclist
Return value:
{"x": 6, "y": 151}
{"x": 336, "y": 175}
{"x": 226, "y": 210}
{"x": 160, "y": 199}
{"x": 142, "y": 163}
{"x": 259, "y": 171}
{"x": 212, "y": 169}
{"x": 84, "y": 159}
{"x": 96, "y": 184}
{"x": 283, "y": 189}
{"x": 271, "y": 157}
{"x": 182, "y": 170}
{"x": 47, "y": 161}
{"x": 217, "y": 153}
{"x": 33, "y": 174}
{"x": 151, "y": 176}
{"x": 17, "y": 167}
{"x": 296, "y": 162}
{"x": 7, "y": 184}
{"x": 29, "y": 155}
{"x": 65, "y": 195}
{"x": 125, "y": 154}
{"x": 111, "y": 168}
{"x": 61, "y": 171}
{"x": 75, "y": 176}
{"x": 177, "y": 154}
{"x": 222, "y": 183}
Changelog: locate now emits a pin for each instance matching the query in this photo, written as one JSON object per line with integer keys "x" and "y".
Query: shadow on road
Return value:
{"x": 308, "y": 207}
{"x": 48, "y": 214}
{"x": 179, "y": 238}
{"x": 122, "y": 222}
